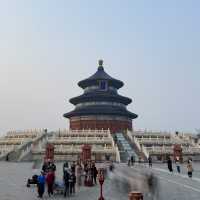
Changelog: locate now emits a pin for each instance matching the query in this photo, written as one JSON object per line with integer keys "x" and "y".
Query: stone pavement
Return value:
{"x": 165, "y": 186}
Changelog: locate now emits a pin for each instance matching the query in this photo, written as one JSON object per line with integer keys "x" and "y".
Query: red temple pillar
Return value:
{"x": 49, "y": 154}
{"x": 86, "y": 152}
{"x": 177, "y": 152}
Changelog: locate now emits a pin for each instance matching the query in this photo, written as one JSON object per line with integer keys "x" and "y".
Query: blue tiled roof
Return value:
{"x": 100, "y": 75}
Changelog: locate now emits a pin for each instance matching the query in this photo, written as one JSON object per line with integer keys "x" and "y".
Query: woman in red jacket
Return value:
{"x": 50, "y": 181}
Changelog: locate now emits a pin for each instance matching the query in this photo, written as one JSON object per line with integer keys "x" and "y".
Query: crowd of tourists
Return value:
{"x": 131, "y": 162}
{"x": 178, "y": 166}
{"x": 75, "y": 175}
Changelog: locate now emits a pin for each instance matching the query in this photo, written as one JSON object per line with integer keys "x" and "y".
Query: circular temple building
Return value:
{"x": 100, "y": 106}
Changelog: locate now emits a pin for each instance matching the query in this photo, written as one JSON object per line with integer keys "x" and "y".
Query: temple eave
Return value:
{"x": 99, "y": 97}
{"x": 79, "y": 113}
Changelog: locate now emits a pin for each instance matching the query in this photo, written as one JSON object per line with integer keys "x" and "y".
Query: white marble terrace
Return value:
{"x": 159, "y": 143}
{"x": 15, "y": 139}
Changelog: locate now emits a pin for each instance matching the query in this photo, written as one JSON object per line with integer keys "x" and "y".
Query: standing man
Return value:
{"x": 66, "y": 182}
{"x": 150, "y": 161}
{"x": 72, "y": 183}
{"x": 132, "y": 160}
{"x": 94, "y": 173}
{"x": 169, "y": 164}
{"x": 178, "y": 167}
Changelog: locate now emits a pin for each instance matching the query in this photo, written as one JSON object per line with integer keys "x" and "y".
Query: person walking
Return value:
{"x": 129, "y": 161}
{"x": 52, "y": 166}
{"x": 65, "y": 167}
{"x": 132, "y": 160}
{"x": 94, "y": 173}
{"x": 45, "y": 167}
{"x": 41, "y": 184}
{"x": 79, "y": 171}
{"x": 189, "y": 168}
{"x": 178, "y": 167}
{"x": 150, "y": 161}
{"x": 66, "y": 182}
{"x": 169, "y": 164}
{"x": 50, "y": 182}
{"x": 73, "y": 167}
{"x": 72, "y": 183}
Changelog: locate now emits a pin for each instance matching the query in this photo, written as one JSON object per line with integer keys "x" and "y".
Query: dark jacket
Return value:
{"x": 66, "y": 177}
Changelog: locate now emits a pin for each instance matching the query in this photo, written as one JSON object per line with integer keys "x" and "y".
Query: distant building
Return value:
{"x": 100, "y": 106}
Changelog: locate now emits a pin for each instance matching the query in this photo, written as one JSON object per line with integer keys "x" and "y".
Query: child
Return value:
{"x": 190, "y": 168}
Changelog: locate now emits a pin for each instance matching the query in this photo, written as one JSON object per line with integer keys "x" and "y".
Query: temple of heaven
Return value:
{"x": 100, "y": 106}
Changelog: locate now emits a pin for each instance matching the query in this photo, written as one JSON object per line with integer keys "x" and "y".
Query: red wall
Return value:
{"x": 113, "y": 125}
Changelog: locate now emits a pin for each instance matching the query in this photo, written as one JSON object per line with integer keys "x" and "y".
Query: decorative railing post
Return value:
{"x": 135, "y": 195}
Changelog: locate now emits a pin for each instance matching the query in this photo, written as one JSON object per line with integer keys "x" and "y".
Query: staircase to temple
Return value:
{"x": 139, "y": 150}
{"x": 126, "y": 150}
{"x": 26, "y": 153}
{"x": 23, "y": 152}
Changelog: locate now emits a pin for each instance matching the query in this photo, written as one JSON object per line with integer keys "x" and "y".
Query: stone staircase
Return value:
{"x": 126, "y": 149}
{"x": 23, "y": 152}
{"x": 26, "y": 152}
{"x": 139, "y": 150}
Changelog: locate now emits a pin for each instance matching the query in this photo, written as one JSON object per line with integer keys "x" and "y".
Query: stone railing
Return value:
{"x": 66, "y": 132}
{"x": 80, "y": 141}
{"x": 144, "y": 150}
{"x": 117, "y": 154}
{"x": 137, "y": 143}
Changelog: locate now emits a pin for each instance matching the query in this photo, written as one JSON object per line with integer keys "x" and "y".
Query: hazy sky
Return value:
{"x": 47, "y": 46}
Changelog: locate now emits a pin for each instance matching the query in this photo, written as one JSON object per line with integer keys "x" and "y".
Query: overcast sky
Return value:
{"x": 47, "y": 46}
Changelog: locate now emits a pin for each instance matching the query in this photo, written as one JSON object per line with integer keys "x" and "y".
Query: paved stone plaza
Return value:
{"x": 166, "y": 186}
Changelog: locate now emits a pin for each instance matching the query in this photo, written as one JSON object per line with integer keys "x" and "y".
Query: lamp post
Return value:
{"x": 101, "y": 181}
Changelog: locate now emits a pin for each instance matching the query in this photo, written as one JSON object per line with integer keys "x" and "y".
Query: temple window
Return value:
{"x": 103, "y": 85}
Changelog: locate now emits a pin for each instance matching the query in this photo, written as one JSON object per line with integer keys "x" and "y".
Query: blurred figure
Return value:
{"x": 72, "y": 182}
{"x": 139, "y": 160}
{"x": 73, "y": 167}
{"x": 169, "y": 164}
{"x": 189, "y": 168}
{"x": 52, "y": 166}
{"x": 66, "y": 177}
{"x": 150, "y": 161}
{"x": 50, "y": 182}
{"x": 94, "y": 173}
{"x": 132, "y": 160}
{"x": 178, "y": 167}
{"x": 41, "y": 184}
{"x": 45, "y": 167}
{"x": 79, "y": 172}
{"x": 129, "y": 161}
{"x": 65, "y": 167}
{"x": 111, "y": 167}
